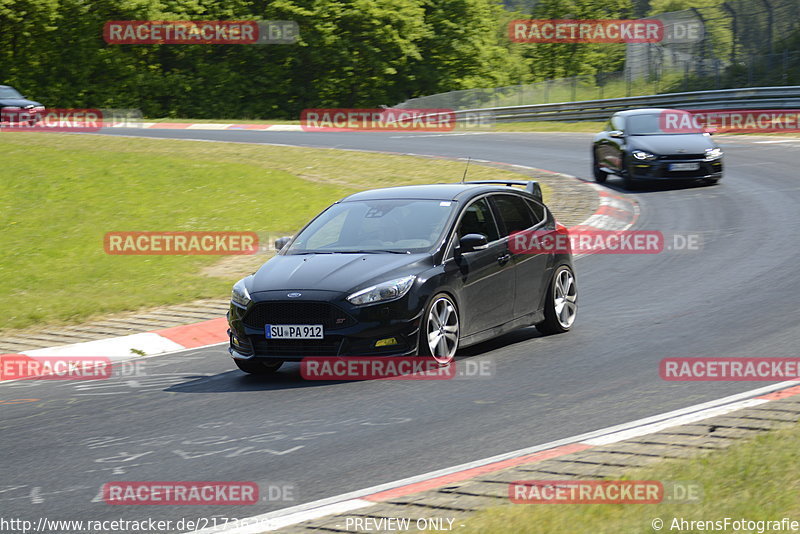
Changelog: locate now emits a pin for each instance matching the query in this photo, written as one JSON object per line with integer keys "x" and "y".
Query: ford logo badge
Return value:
{"x": 293, "y": 295}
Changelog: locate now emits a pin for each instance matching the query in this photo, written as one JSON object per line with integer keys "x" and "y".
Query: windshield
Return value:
{"x": 656, "y": 124}
{"x": 9, "y": 92}
{"x": 399, "y": 226}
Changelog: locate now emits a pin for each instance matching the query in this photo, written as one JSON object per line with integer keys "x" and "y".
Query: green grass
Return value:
{"x": 61, "y": 193}
{"x": 756, "y": 480}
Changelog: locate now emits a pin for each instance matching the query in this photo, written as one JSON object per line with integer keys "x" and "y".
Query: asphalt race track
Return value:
{"x": 195, "y": 417}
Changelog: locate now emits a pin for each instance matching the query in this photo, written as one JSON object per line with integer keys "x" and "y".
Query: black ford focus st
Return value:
{"x": 643, "y": 144}
{"x": 402, "y": 271}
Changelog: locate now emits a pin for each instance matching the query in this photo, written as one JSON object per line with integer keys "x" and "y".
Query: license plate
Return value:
{"x": 684, "y": 166}
{"x": 293, "y": 331}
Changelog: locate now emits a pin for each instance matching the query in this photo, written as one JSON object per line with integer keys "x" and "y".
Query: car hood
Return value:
{"x": 672, "y": 144}
{"x": 17, "y": 102}
{"x": 333, "y": 272}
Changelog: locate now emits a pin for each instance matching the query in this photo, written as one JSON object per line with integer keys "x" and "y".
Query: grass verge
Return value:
{"x": 61, "y": 193}
{"x": 754, "y": 480}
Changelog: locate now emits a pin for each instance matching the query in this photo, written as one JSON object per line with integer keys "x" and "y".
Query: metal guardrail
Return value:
{"x": 787, "y": 97}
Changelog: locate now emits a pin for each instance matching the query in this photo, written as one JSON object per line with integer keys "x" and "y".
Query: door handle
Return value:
{"x": 502, "y": 260}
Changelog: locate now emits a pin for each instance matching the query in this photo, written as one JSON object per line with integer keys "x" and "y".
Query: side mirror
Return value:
{"x": 282, "y": 242}
{"x": 472, "y": 242}
{"x": 616, "y": 134}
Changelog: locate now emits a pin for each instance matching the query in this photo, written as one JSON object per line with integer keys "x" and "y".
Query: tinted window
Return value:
{"x": 537, "y": 209}
{"x": 477, "y": 219}
{"x": 515, "y": 214}
{"x": 651, "y": 124}
{"x": 9, "y": 92}
{"x": 396, "y": 225}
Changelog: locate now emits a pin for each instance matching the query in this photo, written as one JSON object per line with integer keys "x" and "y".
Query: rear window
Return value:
{"x": 514, "y": 213}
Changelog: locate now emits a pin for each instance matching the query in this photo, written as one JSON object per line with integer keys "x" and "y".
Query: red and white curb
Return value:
{"x": 367, "y": 497}
{"x": 124, "y": 348}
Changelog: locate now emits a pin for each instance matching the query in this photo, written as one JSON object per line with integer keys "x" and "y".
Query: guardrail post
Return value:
{"x": 628, "y": 81}
{"x": 785, "y": 77}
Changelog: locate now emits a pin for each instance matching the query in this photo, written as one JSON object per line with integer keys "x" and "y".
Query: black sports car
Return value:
{"x": 414, "y": 270}
{"x": 637, "y": 145}
{"x": 15, "y": 108}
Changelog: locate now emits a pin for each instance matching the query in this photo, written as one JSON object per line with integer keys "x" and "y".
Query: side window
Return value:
{"x": 514, "y": 213}
{"x": 537, "y": 210}
{"x": 478, "y": 219}
{"x": 617, "y": 123}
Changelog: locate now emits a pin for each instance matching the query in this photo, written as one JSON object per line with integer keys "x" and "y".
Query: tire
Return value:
{"x": 556, "y": 321}
{"x": 628, "y": 182}
{"x": 443, "y": 347}
{"x": 259, "y": 367}
{"x": 599, "y": 174}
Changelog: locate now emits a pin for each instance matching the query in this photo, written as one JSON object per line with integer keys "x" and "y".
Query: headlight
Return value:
{"x": 713, "y": 153}
{"x": 643, "y": 156}
{"x": 391, "y": 290}
{"x": 239, "y": 295}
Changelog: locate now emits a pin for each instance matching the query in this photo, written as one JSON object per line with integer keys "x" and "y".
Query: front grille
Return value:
{"x": 295, "y": 347}
{"x": 683, "y": 156}
{"x": 292, "y": 312}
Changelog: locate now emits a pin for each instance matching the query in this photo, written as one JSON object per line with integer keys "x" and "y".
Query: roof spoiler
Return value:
{"x": 531, "y": 186}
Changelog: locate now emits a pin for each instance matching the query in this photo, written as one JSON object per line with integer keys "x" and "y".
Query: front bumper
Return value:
{"x": 348, "y": 330}
{"x": 660, "y": 169}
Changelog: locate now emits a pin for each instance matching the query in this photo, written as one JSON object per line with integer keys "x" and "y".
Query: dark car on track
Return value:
{"x": 15, "y": 108}
{"x": 640, "y": 145}
{"x": 404, "y": 271}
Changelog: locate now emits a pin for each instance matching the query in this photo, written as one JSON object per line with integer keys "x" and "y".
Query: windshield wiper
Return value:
{"x": 370, "y": 251}
{"x": 376, "y": 251}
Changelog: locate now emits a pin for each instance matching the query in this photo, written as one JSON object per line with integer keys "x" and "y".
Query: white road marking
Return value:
{"x": 681, "y": 420}
{"x": 314, "y": 510}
